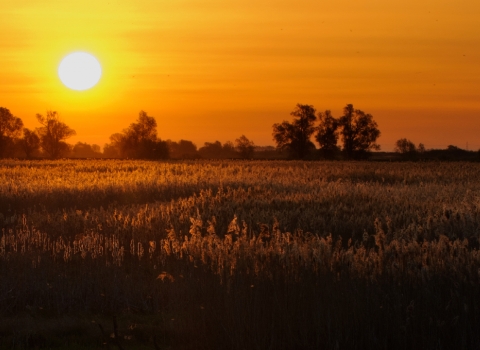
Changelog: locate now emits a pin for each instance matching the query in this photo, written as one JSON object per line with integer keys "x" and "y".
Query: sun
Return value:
{"x": 79, "y": 71}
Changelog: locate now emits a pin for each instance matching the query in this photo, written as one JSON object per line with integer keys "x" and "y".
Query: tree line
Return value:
{"x": 49, "y": 137}
{"x": 350, "y": 136}
{"x": 353, "y": 135}
{"x": 138, "y": 141}
{"x": 407, "y": 150}
{"x": 357, "y": 129}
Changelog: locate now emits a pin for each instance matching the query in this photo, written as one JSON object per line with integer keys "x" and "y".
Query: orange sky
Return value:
{"x": 213, "y": 69}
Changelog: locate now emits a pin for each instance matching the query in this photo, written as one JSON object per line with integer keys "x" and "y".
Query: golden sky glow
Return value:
{"x": 213, "y": 69}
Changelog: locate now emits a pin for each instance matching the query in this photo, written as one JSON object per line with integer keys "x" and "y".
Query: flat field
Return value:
{"x": 239, "y": 255}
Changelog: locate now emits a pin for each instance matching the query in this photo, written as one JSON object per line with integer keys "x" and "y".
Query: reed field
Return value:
{"x": 239, "y": 255}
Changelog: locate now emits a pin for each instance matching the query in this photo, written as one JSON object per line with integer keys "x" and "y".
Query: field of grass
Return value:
{"x": 239, "y": 255}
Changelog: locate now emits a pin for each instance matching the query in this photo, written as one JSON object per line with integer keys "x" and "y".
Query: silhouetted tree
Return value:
{"x": 95, "y": 148}
{"x": 85, "y": 150}
{"x": 456, "y": 153}
{"x": 139, "y": 140}
{"x": 421, "y": 151}
{"x": 245, "y": 147}
{"x": 10, "y": 128}
{"x": 30, "y": 143}
{"x": 211, "y": 150}
{"x": 113, "y": 149}
{"x": 452, "y": 148}
{"x": 110, "y": 151}
{"x": 295, "y": 136}
{"x": 215, "y": 150}
{"x": 53, "y": 134}
{"x": 359, "y": 132}
{"x": 229, "y": 150}
{"x": 405, "y": 146}
{"x": 155, "y": 150}
{"x": 183, "y": 149}
{"x": 327, "y": 134}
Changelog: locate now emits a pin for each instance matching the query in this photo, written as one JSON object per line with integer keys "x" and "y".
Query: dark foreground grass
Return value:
{"x": 77, "y": 305}
{"x": 77, "y": 331}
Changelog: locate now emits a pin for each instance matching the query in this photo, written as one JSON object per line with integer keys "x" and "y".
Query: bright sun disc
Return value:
{"x": 79, "y": 71}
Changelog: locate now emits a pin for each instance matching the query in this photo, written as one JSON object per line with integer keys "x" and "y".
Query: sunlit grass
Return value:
{"x": 254, "y": 254}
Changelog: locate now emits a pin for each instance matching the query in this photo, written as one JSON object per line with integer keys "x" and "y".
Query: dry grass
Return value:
{"x": 241, "y": 255}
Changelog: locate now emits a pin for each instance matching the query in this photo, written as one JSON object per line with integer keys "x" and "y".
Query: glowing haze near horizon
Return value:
{"x": 214, "y": 70}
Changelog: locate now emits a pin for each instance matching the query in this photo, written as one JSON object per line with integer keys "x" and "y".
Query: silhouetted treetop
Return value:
{"x": 144, "y": 129}
{"x": 295, "y": 136}
{"x": 10, "y": 128}
{"x": 244, "y": 147}
{"x": 359, "y": 132}
{"x": 30, "y": 143}
{"x": 85, "y": 150}
{"x": 182, "y": 149}
{"x": 53, "y": 134}
{"x": 327, "y": 134}
{"x": 215, "y": 150}
{"x": 139, "y": 140}
{"x": 405, "y": 146}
